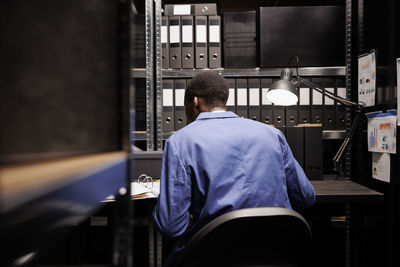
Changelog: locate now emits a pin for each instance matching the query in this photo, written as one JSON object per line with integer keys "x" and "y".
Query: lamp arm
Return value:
{"x": 327, "y": 93}
{"x": 339, "y": 155}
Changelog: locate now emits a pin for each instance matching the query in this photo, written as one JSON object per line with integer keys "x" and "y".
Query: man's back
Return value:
{"x": 227, "y": 163}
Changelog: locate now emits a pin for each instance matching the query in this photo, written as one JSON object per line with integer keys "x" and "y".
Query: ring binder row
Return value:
{"x": 191, "y": 36}
{"x": 248, "y": 99}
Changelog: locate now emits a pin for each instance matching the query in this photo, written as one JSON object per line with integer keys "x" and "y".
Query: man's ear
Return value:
{"x": 196, "y": 102}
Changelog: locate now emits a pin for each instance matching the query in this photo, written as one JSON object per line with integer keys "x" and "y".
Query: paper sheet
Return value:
{"x": 140, "y": 190}
{"x": 398, "y": 88}
{"x": 145, "y": 189}
{"x": 367, "y": 79}
{"x": 382, "y": 131}
{"x": 381, "y": 166}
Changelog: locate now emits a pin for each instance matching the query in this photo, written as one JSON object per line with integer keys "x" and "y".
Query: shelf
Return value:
{"x": 326, "y": 134}
{"x": 140, "y": 135}
{"x": 232, "y": 73}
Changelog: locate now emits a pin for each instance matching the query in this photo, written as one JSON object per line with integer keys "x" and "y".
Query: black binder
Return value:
{"x": 231, "y": 103}
{"x": 292, "y": 117}
{"x": 341, "y": 109}
{"x": 187, "y": 42}
{"x": 279, "y": 114}
{"x": 175, "y": 50}
{"x": 241, "y": 98}
{"x": 138, "y": 41}
{"x": 179, "y": 96}
{"x": 266, "y": 104}
{"x": 304, "y": 104}
{"x": 240, "y": 39}
{"x": 201, "y": 60}
{"x": 168, "y": 106}
{"x": 317, "y": 102}
{"x": 295, "y": 139}
{"x": 191, "y": 9}
{"x": 140, "y": 104}
{"x": 164, "y": 43}
{"x": 329, "y": 105}
{"x": 214, "y": 37}
{"x": 313, "y": 152}
{"x": 254, "y": 99}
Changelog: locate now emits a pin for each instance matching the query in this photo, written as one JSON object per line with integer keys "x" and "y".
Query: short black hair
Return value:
{"x": 210, "y": 86}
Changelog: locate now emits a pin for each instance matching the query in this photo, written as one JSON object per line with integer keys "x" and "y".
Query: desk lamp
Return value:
{"x": 283, "y": 93}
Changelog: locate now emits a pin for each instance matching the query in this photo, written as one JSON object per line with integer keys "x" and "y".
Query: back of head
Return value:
{"x": 210, "y": 86}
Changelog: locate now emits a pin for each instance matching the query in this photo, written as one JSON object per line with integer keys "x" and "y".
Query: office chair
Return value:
{"x": 250, "y": 237}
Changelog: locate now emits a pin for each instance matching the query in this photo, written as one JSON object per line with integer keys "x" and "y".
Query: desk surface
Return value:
{"x": 333, "y": 190}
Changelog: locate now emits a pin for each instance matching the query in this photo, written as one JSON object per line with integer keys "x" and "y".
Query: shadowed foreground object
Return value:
{"x": 250, "y": 237}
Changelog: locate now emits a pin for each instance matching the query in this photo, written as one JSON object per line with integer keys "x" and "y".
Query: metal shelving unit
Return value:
{"x": 154, "y": 74}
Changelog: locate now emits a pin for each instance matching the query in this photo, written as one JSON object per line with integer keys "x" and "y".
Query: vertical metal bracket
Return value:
{"x": 158, "y": 74}
{"x": 348, "y": 25}
{"x": 149, "y": 74}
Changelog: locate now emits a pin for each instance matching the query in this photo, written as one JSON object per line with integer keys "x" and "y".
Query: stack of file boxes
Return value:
{"x": 191, "y": 36}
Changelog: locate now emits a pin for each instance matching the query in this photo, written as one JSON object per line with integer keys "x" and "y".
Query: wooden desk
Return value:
{"x": 333, "y": 190}
{"x": 351, "y": 194}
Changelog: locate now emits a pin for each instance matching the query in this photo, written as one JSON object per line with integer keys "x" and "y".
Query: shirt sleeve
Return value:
{"x": 301, "y": 192}
{"x": 171, "y": 214}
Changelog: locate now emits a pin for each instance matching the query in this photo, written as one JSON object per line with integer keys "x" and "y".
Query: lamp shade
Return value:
{"x": 283, "y": 92}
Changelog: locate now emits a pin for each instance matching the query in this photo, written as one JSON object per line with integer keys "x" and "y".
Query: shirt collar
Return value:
{"x": 216, "y": 115}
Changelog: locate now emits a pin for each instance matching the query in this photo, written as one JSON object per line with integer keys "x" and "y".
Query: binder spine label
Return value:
{"x": 187, "y": 33}
{"x": 317, "y": 98}
{"x": 174, "y": 34}
{"x": 168, "y": 98}
{"x": 164, "y": 31}
{"x": 254, "y": 97}
{"x": 231, "y": 98}
{"x": 341, "y": 91}
{"x": 304, "y": 96}
{"x": 179, "y": 97}
{"x": 329, "y": 101}
{"x": 201, "y": 33}
{"x": 242, "y": 97}
{"x": 214, "y": 32}
{"x": 182, "y": 9}
{"x": 265, "y": 100}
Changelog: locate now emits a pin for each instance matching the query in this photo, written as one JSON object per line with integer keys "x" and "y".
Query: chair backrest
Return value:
{"x": 250, "y": 237}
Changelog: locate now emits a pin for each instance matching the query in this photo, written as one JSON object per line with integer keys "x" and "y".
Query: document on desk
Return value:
{"x": 145, "y": 189}
{"x": 140, "y": 190}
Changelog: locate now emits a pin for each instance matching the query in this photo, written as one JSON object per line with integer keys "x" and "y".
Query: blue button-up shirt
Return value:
{"x": 220, "y": 163}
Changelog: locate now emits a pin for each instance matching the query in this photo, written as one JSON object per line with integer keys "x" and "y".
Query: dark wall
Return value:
{"x": 59, "y": 78}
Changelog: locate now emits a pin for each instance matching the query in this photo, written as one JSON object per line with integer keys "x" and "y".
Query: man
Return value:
{"x": 220, "y": 162}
